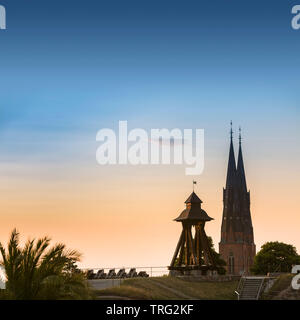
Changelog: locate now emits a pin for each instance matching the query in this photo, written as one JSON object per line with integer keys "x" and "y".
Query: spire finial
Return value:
{"x": 194, "y": 182}
{"x": 240, "y": 135}
{"x": 231, "y": 132}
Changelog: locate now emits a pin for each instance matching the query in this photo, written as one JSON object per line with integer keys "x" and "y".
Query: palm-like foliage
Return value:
{"x": 39, "y": 272}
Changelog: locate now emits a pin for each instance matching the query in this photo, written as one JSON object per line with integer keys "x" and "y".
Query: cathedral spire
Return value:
{"x": 231, "y": 169}
{"x": 237, "y": 246}
{"x": 240, "y": 166}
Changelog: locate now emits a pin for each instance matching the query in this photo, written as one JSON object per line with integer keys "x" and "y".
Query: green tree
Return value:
{"x": 220, "y": 263}
{"x": 275, "y": 257}
{"x": 39, "y": 272}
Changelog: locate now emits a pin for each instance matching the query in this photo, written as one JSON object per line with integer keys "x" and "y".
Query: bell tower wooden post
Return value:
{"x": 193, "y": 253}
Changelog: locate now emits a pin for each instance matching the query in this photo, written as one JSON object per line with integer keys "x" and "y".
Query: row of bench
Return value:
{"x": 121, "y": 274}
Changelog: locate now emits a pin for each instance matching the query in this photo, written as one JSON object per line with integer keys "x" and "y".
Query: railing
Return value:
{"x": 240, "y": 287}
{"x": 260, "y": 288}
{"x": 242, "y": 281}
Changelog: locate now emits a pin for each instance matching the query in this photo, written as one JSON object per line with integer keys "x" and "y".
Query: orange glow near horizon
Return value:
{"x": 123, "y": 216}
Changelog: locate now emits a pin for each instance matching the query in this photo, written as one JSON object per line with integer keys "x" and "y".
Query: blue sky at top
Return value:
{"x": 69, "y": 68}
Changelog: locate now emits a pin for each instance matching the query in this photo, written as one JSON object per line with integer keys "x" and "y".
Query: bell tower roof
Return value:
{"x": 193, "y": 211}
{"x": 193, "y": 198}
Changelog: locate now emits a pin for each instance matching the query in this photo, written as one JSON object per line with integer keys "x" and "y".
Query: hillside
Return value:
{"x": 282, "y": 290}
{"x": 169, "y": 288}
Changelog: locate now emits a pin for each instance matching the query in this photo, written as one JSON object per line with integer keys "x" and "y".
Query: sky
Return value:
{"x": 71, "y": 68}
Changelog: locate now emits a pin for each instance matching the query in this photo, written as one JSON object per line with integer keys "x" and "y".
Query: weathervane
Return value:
{"x": 194, "y": 182}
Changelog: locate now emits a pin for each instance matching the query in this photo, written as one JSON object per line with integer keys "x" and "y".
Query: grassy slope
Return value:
{"x": 281, "y": 290}
{"x": 171, "y": 288}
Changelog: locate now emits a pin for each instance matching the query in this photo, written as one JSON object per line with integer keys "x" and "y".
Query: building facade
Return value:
{"x": 237, "y": 246}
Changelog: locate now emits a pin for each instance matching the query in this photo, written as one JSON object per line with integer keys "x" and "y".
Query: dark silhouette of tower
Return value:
{"x": 237, "y": 246}
{"x": 193, "y": 254}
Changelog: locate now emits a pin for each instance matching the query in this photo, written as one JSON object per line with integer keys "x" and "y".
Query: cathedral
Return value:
{"x": 237, "y": 246}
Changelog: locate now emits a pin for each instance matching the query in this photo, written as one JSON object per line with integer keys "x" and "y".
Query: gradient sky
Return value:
{"x": 70, "y": 68}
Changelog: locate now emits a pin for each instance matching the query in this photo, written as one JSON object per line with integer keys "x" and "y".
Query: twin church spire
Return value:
{"x": 240, "y": 166}
{"x": 237, "y": 246}
{"x": 236, "y": 177}
{"x": 236, "y": 223}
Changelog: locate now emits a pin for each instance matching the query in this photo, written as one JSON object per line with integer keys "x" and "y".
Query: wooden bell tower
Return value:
{"x": 193, "y": 253}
